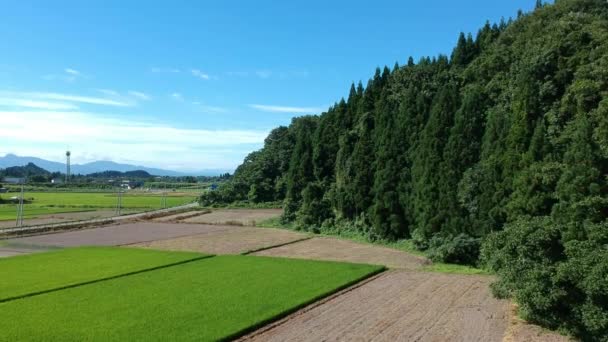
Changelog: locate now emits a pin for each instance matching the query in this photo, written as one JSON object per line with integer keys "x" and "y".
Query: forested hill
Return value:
{"x": 508, "y": 134}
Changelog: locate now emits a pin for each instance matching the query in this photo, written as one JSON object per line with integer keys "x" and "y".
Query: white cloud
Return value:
{"x": 139, "y": 95}
{"x": 35, "y": 96}
{"x": 44, "y": 133}
{"x": 286, "y": 109}
{"x": 108, "y": 92}
{"x": 263, "y": 73}
{"x": 157, "y": 70}
{"x": 209, "y": 109}
{"x": 69, "y": 75}
{"x": 24, "y": 103}
{"x": 199, "y": 74}
{"x": 238, "y": 73}
{"x": 72, "y": 71}
{"x": 177, "y": 96}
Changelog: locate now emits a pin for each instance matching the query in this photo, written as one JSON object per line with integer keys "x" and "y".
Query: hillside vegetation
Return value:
{"x": 497, "y": 154}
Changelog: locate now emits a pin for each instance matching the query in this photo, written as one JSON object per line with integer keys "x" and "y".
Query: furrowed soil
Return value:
{"x": 401, "y": 306}
{"x": 326, "y": 248}
{"x": 244, "y": 217}
{"x": 232, "y": 240}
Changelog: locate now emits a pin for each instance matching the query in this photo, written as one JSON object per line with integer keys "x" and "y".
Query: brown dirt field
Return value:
{"x": 233, "y": 240}
{"x": 400, "y": 306}
{"x": 65, "y": 217}
{"x": 245, "y": 217}
{"x": 118, "y": 234}
{"x": 342, "y": 250}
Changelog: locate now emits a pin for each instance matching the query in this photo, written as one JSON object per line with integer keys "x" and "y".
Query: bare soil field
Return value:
{"x": 232, "y": 240}
{"x": 326, "y": 248}
{"x": 245, "y": 217}
{"x": 119, "y": 234}
{"x": 400, "y": 306}
{"x": 65, "y": 217}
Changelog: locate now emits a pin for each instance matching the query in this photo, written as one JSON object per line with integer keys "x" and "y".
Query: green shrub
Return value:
{"x": 461, "y": 249}
{"x": 558, "y": 284}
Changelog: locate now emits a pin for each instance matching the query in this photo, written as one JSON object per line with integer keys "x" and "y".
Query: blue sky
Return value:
{"x": 191, "y": 85}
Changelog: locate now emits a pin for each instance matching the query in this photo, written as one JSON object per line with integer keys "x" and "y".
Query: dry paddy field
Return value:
{"x": 231, "y": 240}
{"x": 402, "y": 304}
{"x": 245, "y": 217}
{"x": 325, "y": 248}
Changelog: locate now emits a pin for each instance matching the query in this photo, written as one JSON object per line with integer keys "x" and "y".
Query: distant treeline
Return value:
{"x": 36, "y": 174}
{"x": 496, "y": 155}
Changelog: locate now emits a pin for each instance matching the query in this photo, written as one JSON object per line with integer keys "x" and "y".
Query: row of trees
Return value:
{"x": 502, "y": 145}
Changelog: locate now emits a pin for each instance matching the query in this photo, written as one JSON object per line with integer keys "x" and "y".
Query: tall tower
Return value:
{"x": 67, "y": 164}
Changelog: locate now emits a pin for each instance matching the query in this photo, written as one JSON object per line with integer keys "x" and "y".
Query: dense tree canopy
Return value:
{"x": 503, "y": 145}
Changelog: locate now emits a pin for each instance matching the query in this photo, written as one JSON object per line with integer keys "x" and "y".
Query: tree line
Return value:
{"x": 496, "y": 155}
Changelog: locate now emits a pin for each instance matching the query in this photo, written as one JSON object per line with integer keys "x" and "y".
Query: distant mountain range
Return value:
{"x": 98, "y": 166}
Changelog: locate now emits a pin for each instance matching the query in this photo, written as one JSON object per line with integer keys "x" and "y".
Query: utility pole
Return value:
{"x": 119, "y": 201}
{"x": 163, "y": 199}
{"x": 19, "y": 222}
{"x": 67, "y": 164}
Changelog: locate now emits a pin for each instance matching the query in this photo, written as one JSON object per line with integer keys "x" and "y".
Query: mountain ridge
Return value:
{"x": 11, "y": 159}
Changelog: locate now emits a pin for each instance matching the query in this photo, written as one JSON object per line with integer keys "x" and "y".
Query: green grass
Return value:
{"x": 206, "y": 300}
{"x": 455, "y": 269}
{"x": 27, "y": 274}
{"x": 42, "y": 203}
{"x": 273, "y": 222}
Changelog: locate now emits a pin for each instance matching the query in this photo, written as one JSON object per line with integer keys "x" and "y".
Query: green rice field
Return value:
{"x": 44, "y": 203}
{"x": 28, "y": 274}
{"x": 215, "y": 298}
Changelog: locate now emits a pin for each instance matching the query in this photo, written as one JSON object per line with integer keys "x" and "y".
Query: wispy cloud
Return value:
{"x": 263, "y": 73}
{"x": 158, "y": 70}
{"x": 200, "y": 74}
{"x": 139, "y": 95}
{"x": 24, "y": 103}
{"x": 69, "y": 75}
{"x": 286, "y": 109}
{"x": 177, "y": 96}
{"x": 267, "y": 74}
{"x": 238, "y": 73}
{"x": 44, "y": 133}
{"x": 35, "y": 96}
{"x": 108, "y": 92}
{"x": 72, "y": 71}
{"x": 209, "y": 109}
